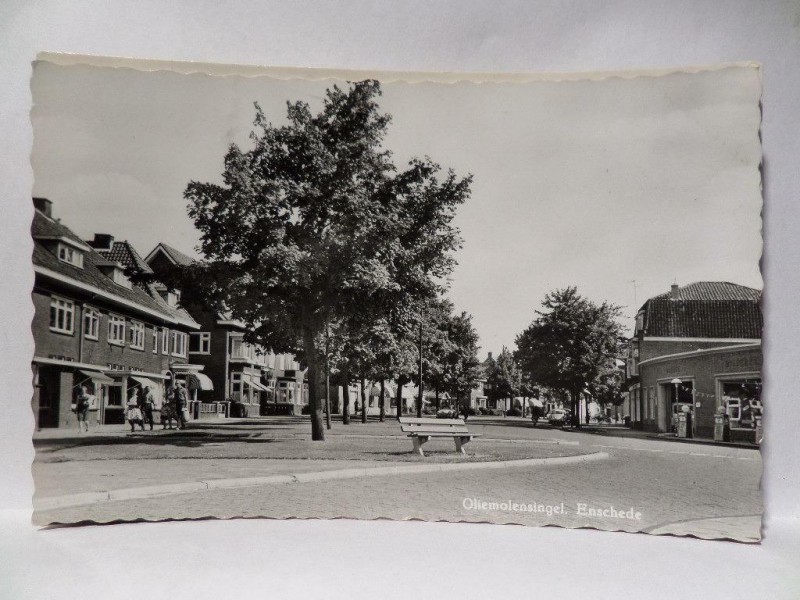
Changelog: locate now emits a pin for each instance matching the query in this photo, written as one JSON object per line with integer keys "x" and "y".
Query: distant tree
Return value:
{"x": 315, "y": 223}
{"x": 505, "y": 378}
{"x": 461, "y": 367}
{"x": 570, "y": 344}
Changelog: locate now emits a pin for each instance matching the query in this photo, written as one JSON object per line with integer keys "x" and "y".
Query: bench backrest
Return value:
{"x": 423, "y": 426}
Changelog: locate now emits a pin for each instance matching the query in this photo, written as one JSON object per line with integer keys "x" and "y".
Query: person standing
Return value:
{"x": 147, "y": 406}
{"x": 168, "y": 406}
{"x": 134, "y": 413}
{"x": 180, "y": 405}
{"x": 82, "y": 404}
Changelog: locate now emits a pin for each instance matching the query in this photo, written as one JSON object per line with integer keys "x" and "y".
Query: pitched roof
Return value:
{"x": 44, "y": 227}
{"x": 705, "y": 309}
{"x": 178, "y": 257}
{"x": 125, "y": 254}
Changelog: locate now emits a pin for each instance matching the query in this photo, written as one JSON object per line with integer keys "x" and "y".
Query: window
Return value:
{"x": 136, "y": 335}
{"x": 178, "y": 347}
{"x": 62, "y": 314}
{"x": 116, "y": 330}
{"x": 91, "y": 323}
{"x": 165, "y": 341}
{"x": 200, "y": 343}
{"x": 155, "y": 340}
{"x": 70, "y": 255}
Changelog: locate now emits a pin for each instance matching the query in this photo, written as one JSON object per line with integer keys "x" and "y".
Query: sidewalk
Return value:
{"x": 622, "y": 431}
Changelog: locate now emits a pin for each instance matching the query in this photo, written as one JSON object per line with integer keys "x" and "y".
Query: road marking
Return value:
{"x": 743, "y": 458}
{"x": 698, "y": 454}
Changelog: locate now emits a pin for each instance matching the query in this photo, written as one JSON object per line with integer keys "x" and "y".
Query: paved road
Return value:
{"x": 667, "y": 487}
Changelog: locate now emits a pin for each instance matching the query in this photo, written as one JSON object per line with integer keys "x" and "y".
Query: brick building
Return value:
{"x": 699, "y": 347}
{"x": 255, "y": 380}
{"x": 93, "y": 327}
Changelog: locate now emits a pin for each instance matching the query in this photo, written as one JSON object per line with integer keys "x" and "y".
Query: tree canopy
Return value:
{"x": 572, "y": 345}
{"x": 315, "y": 224}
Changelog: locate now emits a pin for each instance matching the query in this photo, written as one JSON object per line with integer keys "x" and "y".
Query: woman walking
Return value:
{"x": 168, "y": 407}
{"x": 82, "y": 403}
{"x": 134, "y": 413}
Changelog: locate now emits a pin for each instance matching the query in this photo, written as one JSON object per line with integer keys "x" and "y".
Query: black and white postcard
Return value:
{"x": 529, "y": 299}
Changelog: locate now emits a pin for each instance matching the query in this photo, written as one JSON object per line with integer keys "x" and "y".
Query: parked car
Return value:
{"x": 558, "y": 416}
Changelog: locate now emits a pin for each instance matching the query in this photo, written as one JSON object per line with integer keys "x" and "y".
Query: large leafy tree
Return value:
{"x": 315, "y": 223}
{"x": 570, "y": 344}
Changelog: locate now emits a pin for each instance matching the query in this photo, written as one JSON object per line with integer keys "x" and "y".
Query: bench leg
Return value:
{"x": 418, "y": 441}
{"x": 460, "y": 444}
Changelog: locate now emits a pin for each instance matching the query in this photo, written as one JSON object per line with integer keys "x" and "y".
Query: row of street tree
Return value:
{"x": 324, "y": 247}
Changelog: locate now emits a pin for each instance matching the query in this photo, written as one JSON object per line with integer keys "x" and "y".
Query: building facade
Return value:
{"x": 246, "y": 380}
{"x": 696, "y": 349}
{"x": 94, "y": 328}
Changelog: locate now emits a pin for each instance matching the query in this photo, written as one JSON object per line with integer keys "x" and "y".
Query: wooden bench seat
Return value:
{"x": 420, "y": 430}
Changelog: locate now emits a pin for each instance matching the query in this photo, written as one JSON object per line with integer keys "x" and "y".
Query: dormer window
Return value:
{"x": 70, "y": 255}
{"x": 170, "y": 297}
{"x": 115, "y": 272}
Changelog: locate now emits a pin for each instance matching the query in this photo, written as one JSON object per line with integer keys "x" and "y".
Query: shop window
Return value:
{"x": 136, "y": 335}
{"x": 200, "y": 342}
{"x": 91, "y": 323}
{"x": 116, "y": 330}
{"x": 742, "y": 401}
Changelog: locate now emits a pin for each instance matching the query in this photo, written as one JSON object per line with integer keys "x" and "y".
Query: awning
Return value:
{"x": 96, "y": 376}
{"x": 198, "y": 381}
{"x": 258, "y": 386}
{"x": 145, "y": 382}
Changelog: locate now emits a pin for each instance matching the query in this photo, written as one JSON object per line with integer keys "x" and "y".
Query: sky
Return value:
{"x": 619, "y": 186}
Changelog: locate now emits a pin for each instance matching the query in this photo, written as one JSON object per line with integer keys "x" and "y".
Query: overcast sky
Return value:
{"x": 590, "y": 183}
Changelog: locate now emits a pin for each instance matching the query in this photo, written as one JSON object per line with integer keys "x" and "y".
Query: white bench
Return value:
{"x": 420, "y": 430}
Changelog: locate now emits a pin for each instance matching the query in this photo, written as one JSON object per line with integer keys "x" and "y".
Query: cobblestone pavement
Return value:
{"x": 670, "y": 485}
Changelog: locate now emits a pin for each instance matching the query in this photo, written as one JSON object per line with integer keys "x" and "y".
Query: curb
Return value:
{"x": 85, "y": 499}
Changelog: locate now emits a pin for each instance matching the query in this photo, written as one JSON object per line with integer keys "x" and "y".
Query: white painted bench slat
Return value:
{"x": 420, "y": 430}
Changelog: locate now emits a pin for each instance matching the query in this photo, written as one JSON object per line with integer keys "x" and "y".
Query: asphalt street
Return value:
{"x": 644, "y": 484}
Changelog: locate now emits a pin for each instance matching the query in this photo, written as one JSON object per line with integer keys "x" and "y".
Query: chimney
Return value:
{"x": 674, "y": 291}
{"x": 102, "y": 241}
{"x": 490, "y": 356}
{"x": 44, "y": 206}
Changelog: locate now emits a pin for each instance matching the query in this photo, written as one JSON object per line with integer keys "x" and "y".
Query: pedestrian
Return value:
{"x": 180, "y": 405}
{"x": 147, "y": 406}
{"x": 82, "y": 404}
{"x": 168, "y": 406}
{"x": 134, "y": 413}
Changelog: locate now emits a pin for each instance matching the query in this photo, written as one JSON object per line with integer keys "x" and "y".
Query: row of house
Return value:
{"x": 696, "y": 349}
{"x": 94, "y": 328}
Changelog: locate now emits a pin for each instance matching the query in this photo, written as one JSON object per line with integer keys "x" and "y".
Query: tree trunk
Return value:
{"x": 314, "y": 385}
{"x": 363, "y": 401}
{"x": 346, "y": 394}
{"x": 437, "y": 399}
{"x": 576, "y": 414}
{"x": 382, "y": 401}
{"x": 401, "y": 381}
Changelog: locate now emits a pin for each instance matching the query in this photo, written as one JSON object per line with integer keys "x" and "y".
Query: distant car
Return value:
{"x": 558, "y": 417}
